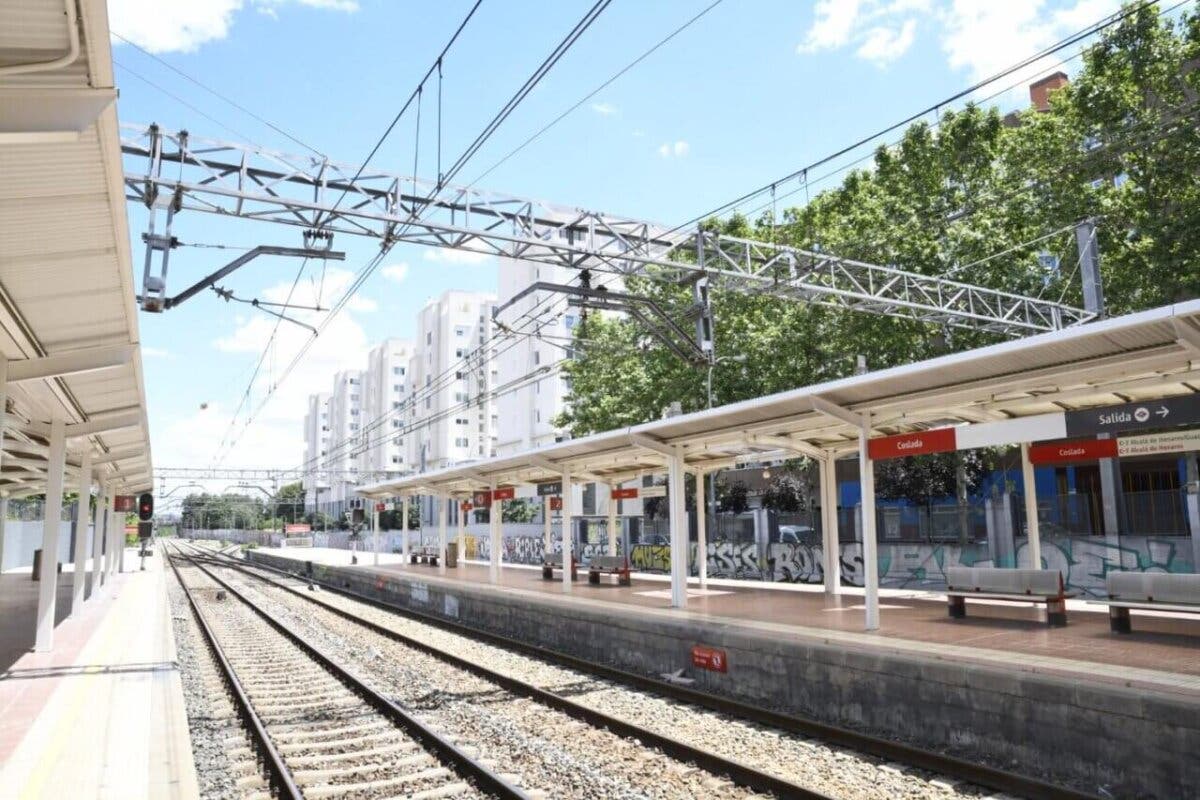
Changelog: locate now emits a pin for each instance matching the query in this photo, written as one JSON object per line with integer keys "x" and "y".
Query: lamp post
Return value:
{"x": 740, "y": 358}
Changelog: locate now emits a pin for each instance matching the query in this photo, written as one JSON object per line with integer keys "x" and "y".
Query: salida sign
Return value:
{"x": 1165, "y": 413}
{"x": 709, "y": 658}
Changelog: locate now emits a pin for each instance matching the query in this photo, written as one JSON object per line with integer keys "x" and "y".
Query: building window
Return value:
{"x": 396, "y": 459}
{"x": 569, "y": 321}
{"x": 460, "y": 331}
{"x": 397, "y": 387}
{"x": 395, "y": 404}
{"x": 353, "y": 426}
{"x": 397, "y": 370}
{"x": 429, "y": 338}
{"x": 460, "y": 397}
{"x": 354, "y": 412}
{"x": 537, "y": 357}
{"x": 462, "y": 441}
{"x": 395, "y": 423}
{"x": 459, "y": 353}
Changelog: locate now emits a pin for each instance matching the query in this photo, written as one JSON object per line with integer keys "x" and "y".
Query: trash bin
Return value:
{"x": 37, "y": 565}
{"x": 452, "y": 554}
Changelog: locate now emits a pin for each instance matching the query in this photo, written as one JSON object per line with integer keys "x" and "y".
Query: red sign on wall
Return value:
{"x": 709, "y": 658}
{"x": 1078, "y": 450}
{"x": 629, "y": 493}
{"x": 938, "y": 440}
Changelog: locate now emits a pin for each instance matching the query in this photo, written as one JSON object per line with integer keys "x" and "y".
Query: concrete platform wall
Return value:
{"x": 1137, "y": 743}
{"x": 20, "y": 539}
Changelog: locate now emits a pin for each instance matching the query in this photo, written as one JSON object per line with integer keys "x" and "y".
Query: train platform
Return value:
{"x": 102, "y": 714}
{"x": 1162, "y": 652}
{"x": 1078, "y": 704}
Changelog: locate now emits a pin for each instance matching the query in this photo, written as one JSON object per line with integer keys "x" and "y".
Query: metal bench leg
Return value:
{"x": 957, "y": 607}
{"x": 1118, "y": 620}
{"x": 593, "y": 577}
{"x": 1056, "y": 613}
{"x": 623, "y": 579}
{"x": 547, "y": 573}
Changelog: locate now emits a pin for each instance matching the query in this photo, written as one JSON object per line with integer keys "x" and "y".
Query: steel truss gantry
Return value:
{"x": 251, "y": 474}
{"x": 181, "y": 171}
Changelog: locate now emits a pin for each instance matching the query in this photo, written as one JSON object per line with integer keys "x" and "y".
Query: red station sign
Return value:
{"x": 1078, "y": 450}
{"x": 504, "y": 493}
{"x": 381, "y": 506}
{"x": 556, "y": 504}
{"x": 125, "y": 502}
{"x": 938, "y": 440}
{"x": 629, "y": 493}
{"x": 709, "y": 658}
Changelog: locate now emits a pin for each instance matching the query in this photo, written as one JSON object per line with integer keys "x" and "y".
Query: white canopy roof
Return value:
{"x": 66, "y": 288}
{"x": 1143, "y": 356}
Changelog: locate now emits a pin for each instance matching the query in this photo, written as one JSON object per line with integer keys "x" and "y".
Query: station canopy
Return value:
{"x": 1144, "y": 356}
{"x": 68, "y": 326}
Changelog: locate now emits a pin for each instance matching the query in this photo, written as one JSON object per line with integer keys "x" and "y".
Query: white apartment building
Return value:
{"x": 451, "y": 415}
{"x": 316, "y": 444}
{"x": 345, "y": 426}
{"x": 529, "y": 368}
{"x": 383, "y": 453}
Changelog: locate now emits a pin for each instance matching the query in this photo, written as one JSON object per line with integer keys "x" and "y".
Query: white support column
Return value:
{"x": 679, "y": 537}
{"x": 567, "y": 555}
{"x": 547, "y": 545}
{"x": 51, "y": 523}
{"x": 116, "y": 535}
{"x": 462, "y": 533}
{"x": 374, "y": 531}
{"x": 831, "y": 547}
{"x": 3, "y": 422}
{"x": 870, "y": 558}
{"x": 442, "y": 502}
{"x": 612, "y": 520}
{"x": 99, "y": 518}
{"x": 3, "y": 524}
{"x": 404, "y": 528}
{"x": 79, "y": 579}
{"x": 494, "y": 512}
{"x": 1191, "y": 499}
{"x": 701, "y": 531}
{"x": 1032, "y": 526}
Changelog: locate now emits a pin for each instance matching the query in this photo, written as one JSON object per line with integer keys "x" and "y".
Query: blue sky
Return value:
{"x": 751, "y": 91}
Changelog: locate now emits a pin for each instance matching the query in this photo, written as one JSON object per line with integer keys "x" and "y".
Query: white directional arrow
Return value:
{"x": 1163, "y": 411}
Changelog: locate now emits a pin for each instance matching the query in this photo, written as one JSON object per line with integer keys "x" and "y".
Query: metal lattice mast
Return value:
{"x": 185, "y": 172}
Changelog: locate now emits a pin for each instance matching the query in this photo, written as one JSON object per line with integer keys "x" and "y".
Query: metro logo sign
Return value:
{"x": 1078, "y": 450}
{"x": 938, "y": 440}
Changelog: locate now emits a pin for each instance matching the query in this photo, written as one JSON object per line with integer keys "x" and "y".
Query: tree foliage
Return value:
{"x": 1118, "y": 145}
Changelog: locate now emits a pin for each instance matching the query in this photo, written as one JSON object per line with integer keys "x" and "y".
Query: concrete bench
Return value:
{"x": 609, "y": 565}
{"x": 1014, "y": 585}
{"x": 1158, "y": 591}
{"x": 424, "y": 555}
{"x": 554, "y": 561}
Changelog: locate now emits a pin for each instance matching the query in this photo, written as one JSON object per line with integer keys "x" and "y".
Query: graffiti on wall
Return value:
{"x": 734, "y": 560}
{"x": 650, "y": 557}
{"x": 531, "y": 549}
{"x": 1083, "y": 561}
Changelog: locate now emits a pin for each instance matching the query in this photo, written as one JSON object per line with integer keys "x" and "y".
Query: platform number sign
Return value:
{"x": 710, "y": 658}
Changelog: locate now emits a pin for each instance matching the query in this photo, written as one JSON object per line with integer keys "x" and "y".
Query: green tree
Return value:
{"x": 288, "y": 502}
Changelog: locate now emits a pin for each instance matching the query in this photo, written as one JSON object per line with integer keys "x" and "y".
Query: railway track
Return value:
{"x": 894, "y": 753}
{"x": 318, "y": 730}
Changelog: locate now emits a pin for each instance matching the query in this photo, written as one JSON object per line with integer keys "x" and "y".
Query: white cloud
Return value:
{"x": 679, "y": 149}
{"x": 452, "y": 256}
{"x": 604, "y": 109}
{"x": 396, "y": 273}
{"x": 833, "y": 22}
{"x": 362, "y": 304}
{"x": 164, "y": 26}
{"x": 884, "y": 45}
{"x": 156, "y": 352}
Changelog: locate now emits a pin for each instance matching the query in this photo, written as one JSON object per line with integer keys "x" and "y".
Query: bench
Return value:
{"x": 1013, "y": 585}
{"x": 1157, "y": 591}
{"x": 609, "y": 565}
{"x": 424, "y": 555}
{"x": 554, "y": 561}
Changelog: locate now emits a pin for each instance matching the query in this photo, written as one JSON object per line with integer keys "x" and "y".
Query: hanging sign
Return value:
{"x": 654, "y": 491}
{"x": 504, "y": 493}
{"x": 709, "y": 658}
{"x": 466, "y": 506}
{"x": 1153, "y": 444}
{"x": 125, "y": 502}
{"x": 1078, "y": 450}
{"x": 556, "y": 504}
{"x": 938, "y": 440}
{"x": 549, "y": 488}
{"x": 482, "y": 498}
{"x": 381, "y": 506}
{"x": 1135, "y": 416}
{"x": 628, "y": 493}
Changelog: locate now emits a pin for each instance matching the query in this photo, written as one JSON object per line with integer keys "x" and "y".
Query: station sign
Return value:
{"x": 1153, "y": 444}
{"x": 297, "y": 527}
{"x": 710, "y": 658}
{"x": 627, "y": 493}
{"x": 504, "y": 493}
{"x": 937, "y": 440}
{"x": 125, "y": 502}
{"x": 549, "y": 488}
{"x": 381, "y": 506}
{"x": 466, "y": 506}
{"x": 1163, "y": 413}
{"x": 1077, "y": 450}
{"x": 484, "y": 497}
{"x": 556, "y": 503}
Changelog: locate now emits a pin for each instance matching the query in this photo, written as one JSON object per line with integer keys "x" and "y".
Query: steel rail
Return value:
{"x": 741, "y": 774}
{"x": 929, "y": 760}
{"x": 484, "y": 779}
{"x": 278, "y": 774}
